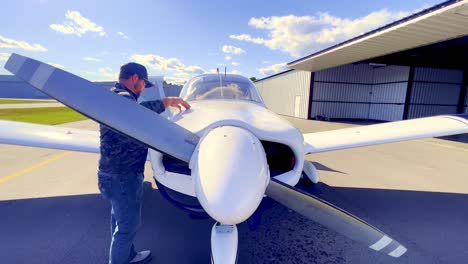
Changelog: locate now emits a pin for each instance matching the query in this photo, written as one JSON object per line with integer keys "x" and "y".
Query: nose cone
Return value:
{"x": 230, "y": 173}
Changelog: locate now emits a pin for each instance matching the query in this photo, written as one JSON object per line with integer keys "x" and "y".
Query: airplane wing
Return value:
{"x": 362, "y": 136}
{"x": 43, "y": 136}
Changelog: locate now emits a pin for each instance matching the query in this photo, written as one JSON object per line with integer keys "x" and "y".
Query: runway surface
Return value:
{"x": 417, "y": 192}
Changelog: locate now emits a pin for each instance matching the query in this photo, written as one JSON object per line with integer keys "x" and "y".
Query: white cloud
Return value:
{"x": 91, "y": 59}
{"x": 4, "y": 56}
{"x": 176, "y": 80}
{"x": 56, "y": 65}
{"x": 248, "y": 38}
{"x": 273, "y": 69}
{"x": 228, "y": 58}
{"x": 232, "y": 50}
{"x": 166, "y": 64}
{"x": 234, "y": 63}
{"x": 299, "y": 36}
{"x": 77, "y": 25}
{"x": 18, "y": 44}
{"x": 179, "y": 78}
{"x": 103, "y": 74}
{"x": 122, "y": 35}
{"x": 108, "y": 73}
{"x": 236, "y": 72}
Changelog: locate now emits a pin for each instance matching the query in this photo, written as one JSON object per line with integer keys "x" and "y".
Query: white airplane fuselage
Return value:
{"x": 242, "y": 144}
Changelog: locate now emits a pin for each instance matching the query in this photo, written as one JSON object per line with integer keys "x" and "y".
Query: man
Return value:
{"x": 121, "y": 167}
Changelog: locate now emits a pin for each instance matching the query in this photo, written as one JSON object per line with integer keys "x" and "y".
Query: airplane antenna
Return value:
{"x": 220, "y": 82}
{"x": 225, "y": 71}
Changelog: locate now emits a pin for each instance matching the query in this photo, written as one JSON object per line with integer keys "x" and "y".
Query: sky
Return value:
{"x": 180, "y": 39}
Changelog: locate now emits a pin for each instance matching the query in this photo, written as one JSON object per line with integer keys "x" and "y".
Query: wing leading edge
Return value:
{"x": 362, "y": 136}
{"x": 43, "y": 136}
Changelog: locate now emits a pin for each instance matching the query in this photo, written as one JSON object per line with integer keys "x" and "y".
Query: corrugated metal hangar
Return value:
{"x": 414, "y": 67}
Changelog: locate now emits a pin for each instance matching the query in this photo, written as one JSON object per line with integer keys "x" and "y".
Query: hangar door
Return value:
{"x": 435, "y": 92}
{"x": 360, "y": 91}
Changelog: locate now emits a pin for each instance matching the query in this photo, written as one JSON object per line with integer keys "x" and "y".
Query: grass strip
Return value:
{"x": 46, "y": 115}
{"x": 11, "y": 101}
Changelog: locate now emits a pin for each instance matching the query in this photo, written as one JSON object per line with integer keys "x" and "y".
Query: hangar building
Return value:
{"x": 414, "y": 67}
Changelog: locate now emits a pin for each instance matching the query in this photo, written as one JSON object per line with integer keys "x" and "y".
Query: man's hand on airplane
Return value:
{"x": 175, "y": 102}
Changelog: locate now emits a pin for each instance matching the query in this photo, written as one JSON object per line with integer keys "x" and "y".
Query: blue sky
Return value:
{"x": 181, "y": 39}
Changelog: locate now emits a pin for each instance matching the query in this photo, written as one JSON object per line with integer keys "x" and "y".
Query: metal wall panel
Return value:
{"x": 435, "y": 93}
{"x": 390, "y": 73}
{"x": 466, "y": 103}
{"x": 341, "y": 92}
{"x": 386, "y": 112}
{"x": 279, "y": 92}
{"x": 417, "y": 111}
{"x": 438, "y": 75}
{"x": 350, "y": 73}
{"x": 371, "y": 93}
{"x": 389, "y": 93}
{"x": 388, "y": 101}
{"x": 340, "y": 110}
{"x": 333, "y": 87}
{"x": 361, "y": 91}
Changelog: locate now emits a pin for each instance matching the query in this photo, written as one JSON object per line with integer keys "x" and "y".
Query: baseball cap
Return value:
{"x": 138, "y": 69}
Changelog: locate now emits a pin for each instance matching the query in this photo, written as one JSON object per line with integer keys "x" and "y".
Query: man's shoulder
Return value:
{"x": 119, "y": 91}
{"x": 122, "y": 92}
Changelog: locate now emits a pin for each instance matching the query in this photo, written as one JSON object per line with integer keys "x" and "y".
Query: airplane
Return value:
{"x": 225, "y": 155}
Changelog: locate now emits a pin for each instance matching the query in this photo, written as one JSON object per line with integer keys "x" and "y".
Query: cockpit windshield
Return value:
{"x": 220, "y": 86}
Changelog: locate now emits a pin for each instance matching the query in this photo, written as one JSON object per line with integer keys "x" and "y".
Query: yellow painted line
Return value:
{"x": 37, "y": 166}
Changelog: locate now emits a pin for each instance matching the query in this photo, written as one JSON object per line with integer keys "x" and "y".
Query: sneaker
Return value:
{"x": 142, "y": 257}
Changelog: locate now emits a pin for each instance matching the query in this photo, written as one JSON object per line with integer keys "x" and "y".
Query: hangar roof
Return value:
{"x": 405, "y": 41}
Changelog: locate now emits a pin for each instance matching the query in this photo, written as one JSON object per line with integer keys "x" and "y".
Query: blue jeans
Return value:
{"x": 125, "y": 193}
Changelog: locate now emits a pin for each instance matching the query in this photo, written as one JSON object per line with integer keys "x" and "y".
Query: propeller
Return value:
{"x": 332, "y": 217}
{"x": 164, "y": 136}
{"x": 102, "y": 105}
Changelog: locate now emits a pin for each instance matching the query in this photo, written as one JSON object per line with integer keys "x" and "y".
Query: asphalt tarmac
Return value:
{"x": 417, "y": 192}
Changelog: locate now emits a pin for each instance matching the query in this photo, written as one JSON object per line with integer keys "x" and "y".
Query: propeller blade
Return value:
{"x": 106, "y": 107}
{"x": 334, "y": 218}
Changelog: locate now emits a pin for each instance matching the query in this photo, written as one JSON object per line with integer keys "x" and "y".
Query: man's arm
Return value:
{"x": 155, "y": 105}
{"x": 160, "y": 105}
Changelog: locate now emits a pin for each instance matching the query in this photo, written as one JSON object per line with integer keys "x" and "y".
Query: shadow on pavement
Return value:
{"x": 75, "y": 229}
